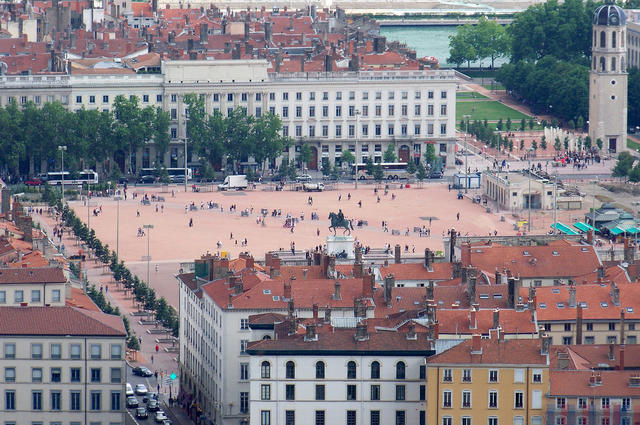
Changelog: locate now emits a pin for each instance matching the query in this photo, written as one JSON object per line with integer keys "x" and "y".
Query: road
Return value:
{"x": 152, "y": 385}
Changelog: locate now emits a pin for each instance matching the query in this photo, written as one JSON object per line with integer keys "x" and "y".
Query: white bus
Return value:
{"x": 175, "y": 174}
{"x": 391, "y": 170}
{"x": 75, "y": 179}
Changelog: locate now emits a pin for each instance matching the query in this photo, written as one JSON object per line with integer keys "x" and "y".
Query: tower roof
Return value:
{"x": 609, "y": 15}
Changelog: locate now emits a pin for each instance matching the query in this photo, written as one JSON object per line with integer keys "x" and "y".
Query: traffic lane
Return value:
{"x": 152, "y": 386}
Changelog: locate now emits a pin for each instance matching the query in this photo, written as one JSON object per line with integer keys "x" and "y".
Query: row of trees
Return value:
{"x": 143, "y": 293}
{"x": 624, "y": 167}
{"x": 236, "y": 137}
{"x": 486, "y": 40}
{"x": 33, "y": 133}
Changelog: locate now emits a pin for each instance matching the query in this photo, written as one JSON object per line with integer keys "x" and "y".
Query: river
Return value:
{"x": 428, "y": 41}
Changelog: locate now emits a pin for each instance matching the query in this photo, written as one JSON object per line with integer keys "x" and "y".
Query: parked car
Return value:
{"x": 153, "y": 405}
{"x": 132, "y": 401}
{"x": 303, "y": 178}
{"x": 313, "y": 187}
{"x": 123, "y": 180}
{"x": 129, "y": 391}
{"x": 160, "y": 416}
{"x": 142, "y": 371}
{"x": 141, "y": 389}
{"x": 146, "y": 179}
{"x": 33, "y": 182}
{"x": 141, "y": 413}
{"x": 435, "y": 174}
{"x": 167, "y": 422}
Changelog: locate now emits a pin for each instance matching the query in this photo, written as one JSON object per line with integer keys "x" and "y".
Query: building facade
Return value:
{"x": 44, "y": 286}
{"x": 363, "y": 112}
{"x": 608, "y": 78}
{"x": 62, "y": 365}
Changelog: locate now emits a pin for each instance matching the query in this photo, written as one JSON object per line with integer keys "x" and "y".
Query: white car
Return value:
{"x": 160, "y": 416}
{"x": 141, "y": 389}
{"x": 303, "y": 178}
{"x": 129, "y": 391}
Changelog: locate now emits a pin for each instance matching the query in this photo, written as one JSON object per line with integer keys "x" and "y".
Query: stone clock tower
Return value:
{"x": 608, "y": 79}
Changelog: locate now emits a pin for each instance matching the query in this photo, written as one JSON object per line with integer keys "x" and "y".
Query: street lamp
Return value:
{"x": 466, "y": 147}
{"x": 186, "y": 137}
{"x": 118, "y": 198}
{"x": 357, "y": 112}
{"x": 148, "y": 258}
{"x": 62, "y": 149}
{"x": 529, "y": 194}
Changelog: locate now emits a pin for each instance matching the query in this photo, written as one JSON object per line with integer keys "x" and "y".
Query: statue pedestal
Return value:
{"x": 337, "y": 244}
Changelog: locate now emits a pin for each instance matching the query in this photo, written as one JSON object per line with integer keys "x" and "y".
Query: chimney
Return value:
{"x": 237, "y": 287}
{"x": 290, "y": 308}
{"x": 621, "y": 357}
{"x": 247, "y": 28}
{"x": 513, "y": 290}
{"x": 473, "y": 319}
{"x": 190, "y": 44}
{"x": 336, "y": 293}
{"x": 268, "y": 31}
{"x": 304, "y": 274}
{"x": 428, "y": 260}
{"x": 476, "y": 344}
{"x": 430, "y": 290}
{"x": 579, "y": 325}
{"x": 328, "y": 63}
{"x": 628, "y": 251}
{"x": 274, "y": 271}
{"x": 311, "y": 334}
{"x": 290, "y": 23}
{"x": 331, "y": 267}
{"x": 622, "y": 337}
{"x": 361, "y": 332}
{"x": 396, "y": 254}
{"x": 204, "y": 33}
{"x": 612, "y": 355}
{"x": 590, "y": 237}
{"x": 230, "y": 305}
{"x": 456, "y": 270}
{"x": 358, "y": 253}
{"x": 465, "y": 254}
{"x": 315, "y": 313}
{"x": 287, "y": 291}
{"x": 471, "y": 285}
{"x": 601, "y": 273}
{"x": 389, "y": 283}
{"x": 367, "y": 286}
{"x": 293, "y": 326}
{"x": 496, "y": 318}
{"x": 615, "y": 294}
{"x": 572, "y": 296}
{"x": 563, "y": 360}
{"x": 546, "y": 342}
{"x": 359, "y": 309}
{"x": 327, "y": 314}
{"x": 411, "y": 333}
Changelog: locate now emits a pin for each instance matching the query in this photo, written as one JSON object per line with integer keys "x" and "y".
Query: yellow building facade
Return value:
{"x": 488, "y": 382}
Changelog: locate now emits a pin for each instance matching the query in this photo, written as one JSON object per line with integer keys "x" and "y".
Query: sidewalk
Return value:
{"x": 165, "y": 363}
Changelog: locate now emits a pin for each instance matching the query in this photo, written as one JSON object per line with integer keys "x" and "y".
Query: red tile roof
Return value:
{"x": 514, "y": 322}
{"x": 417, "y": 271}
{"x": 32, "y": 275}
{"x": 553, "y": 302}
{"x": 58, "y": 321}
{"x": 507, "y": 352}
{"x": 81, "y": 300}
{"x": 614, "y": 383}
{"x": 556, "y": 260}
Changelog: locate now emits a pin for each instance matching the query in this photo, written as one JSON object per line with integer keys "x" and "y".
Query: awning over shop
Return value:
{"x": 564, "y": 229}
{"x": 584, "y": 227}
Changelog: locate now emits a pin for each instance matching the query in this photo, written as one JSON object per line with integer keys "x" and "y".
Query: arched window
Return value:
{"x": 613, "y": 39}
{"x": 375, "y": 370}
{"x": 400, "y": 370}
{"x": 603, "y": 39}
{"x": 622, "y": 65}
{"x": 613, "y": 64}
{"x": 290, "y": 370}
{"x": 265, "y": 370}
{"x": 266, "y": 337}
{"x": 319, "y": 370}
{"x": 351, "y": 370}
{"x": 594, "y": 64}
{"x": 602, "y": 64}
{"x": 595, "y": 38}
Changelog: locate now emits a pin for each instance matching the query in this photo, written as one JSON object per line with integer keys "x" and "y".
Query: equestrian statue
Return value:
{"x": 338, "y": 221}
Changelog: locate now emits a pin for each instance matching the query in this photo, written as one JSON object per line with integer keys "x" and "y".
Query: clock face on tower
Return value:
{"x": 614, "y": 19}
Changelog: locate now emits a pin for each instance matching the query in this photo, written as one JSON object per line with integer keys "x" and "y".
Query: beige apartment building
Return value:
{"x": 61, "y": 365}
{"x": 38, "y": 286}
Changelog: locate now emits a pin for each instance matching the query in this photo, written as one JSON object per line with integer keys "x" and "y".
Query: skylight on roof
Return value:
{"x": 604, "y": 305}
{"x": 276, "y": 298}
{"x": 555, "y": 290}
{"x": 584, "y": 304}
{"x": 560, "y": 305}
{"x": 497, "y": 296}
{"x": 542, "y": 305}
{"x": 440, "y": 302}
{"x": 629, "y": 309}
{"x": 266, "y": 291}
{"x": 484, "y": 296}
{"x": 555, "y": 253}
{"x": 526, "y": 253}
{"x": 584, "y": 249}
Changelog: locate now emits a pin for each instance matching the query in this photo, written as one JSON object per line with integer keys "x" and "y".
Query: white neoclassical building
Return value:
{"x": 608, "y": 78}
{"x": 363, "y": 112}
{"x": 61, "y": 365}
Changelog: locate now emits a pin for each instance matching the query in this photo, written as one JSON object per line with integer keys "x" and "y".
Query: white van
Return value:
{"x": 129, "y": 391}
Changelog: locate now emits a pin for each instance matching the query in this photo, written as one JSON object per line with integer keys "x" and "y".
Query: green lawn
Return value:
{"x": 633, "y": 145}
{"x": 470, "y": 95}
{"x": 515, "y": 126}
{"x": 491, "y": 110}
{"x": 496, "y": 86}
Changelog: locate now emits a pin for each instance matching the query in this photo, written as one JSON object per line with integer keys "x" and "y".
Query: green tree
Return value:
{"x": 624, "y": 164}
{"x": 378, "y": 173}
{"x": 571, "y": 124}
{"x": 634, "y": 174}
{"x": 531, "y": 124}
{"x": 565, "y": 142}
{"x": 390, "y": 154}
{"x": 580, "y": 123}
{"x": 347, "y": 157}
{"x": 500, "y": 125}
{"x": 587, "y": 142}
{"x": 508, "y": 123}
{"x": 522, "y": 144}
{"x": 430, "y": 154}
{"x": 326, "y": 167}
{"x": 411, "y": 168}
{"x": 133, "y": 126}
{"x": 557, "y": 145}
{"x": 523, "y": 124}
{"x": 304, "y": 156}
{"x": 633, "y": 94}
{"x": 421, "y": 173}
{"x": 510, "y": 145}
{"x": 370, "y": 166}
{"x": 534, "y": 145}
{"x": 461, "y": 46}
{"x": 543, "y": 143}
{"x": 599, "y": 143}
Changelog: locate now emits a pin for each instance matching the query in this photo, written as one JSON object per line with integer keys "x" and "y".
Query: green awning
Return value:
{"x": 564, "y": 229}
{"x": 633, "y": 230}
{"x": 584, "y": 227}
{"x": 616, "y": 231}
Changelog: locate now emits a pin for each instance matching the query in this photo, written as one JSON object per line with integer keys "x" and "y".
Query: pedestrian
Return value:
{"x": 152, "y": 359}
{"x": 191, "y": 222}
{"x": 156, "y": 268}
{"x": 231, "y": 236}
{"x": 162, "y": 209}
{"x": 360, "y": 204}
{"x": 458, "y": 216}
{"x": 137, "y": 213}
{"x": 339, "y": 197}
{"x": 318, "y": 231}
{"x": 349, "y": 196}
